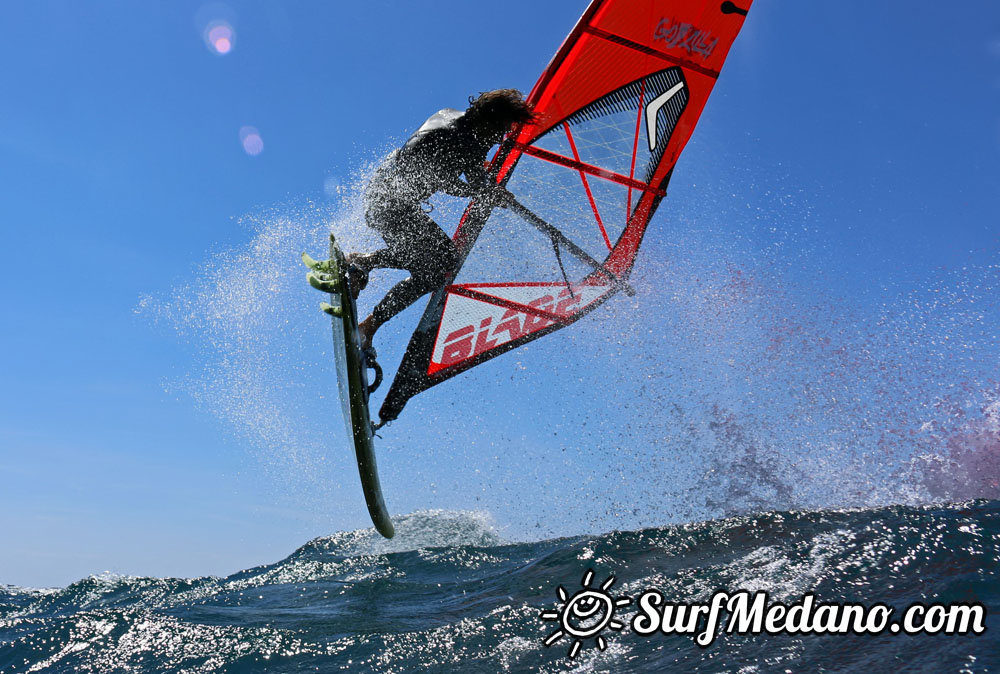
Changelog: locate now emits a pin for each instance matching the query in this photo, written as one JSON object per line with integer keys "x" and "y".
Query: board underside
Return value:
{"x": 352, "y": 384}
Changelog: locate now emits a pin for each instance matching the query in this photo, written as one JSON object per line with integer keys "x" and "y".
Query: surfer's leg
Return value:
{"x": 428, "y": 254}
{"x": 380, "y": 259}
{"x": 386, "y": 222}
{"x": 390, "y": 223}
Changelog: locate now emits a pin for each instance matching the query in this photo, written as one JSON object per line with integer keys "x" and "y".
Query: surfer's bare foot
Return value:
{"x": 367, "y": 329}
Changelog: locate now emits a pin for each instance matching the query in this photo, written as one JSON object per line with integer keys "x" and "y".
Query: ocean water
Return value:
{"x": 448, "y": 595}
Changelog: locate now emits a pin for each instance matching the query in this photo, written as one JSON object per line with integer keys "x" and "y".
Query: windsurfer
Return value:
{"x": 447, "y": 145}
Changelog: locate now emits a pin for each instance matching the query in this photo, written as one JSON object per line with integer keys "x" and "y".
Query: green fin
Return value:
{"x": 325, "y": 284}
{"x": 327, "y": 308}
{"x": 317, "y": 265}
{"x": 309, "y": 262}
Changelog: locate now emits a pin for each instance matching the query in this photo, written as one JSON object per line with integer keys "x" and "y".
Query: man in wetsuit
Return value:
{"x": 446, "y": 146}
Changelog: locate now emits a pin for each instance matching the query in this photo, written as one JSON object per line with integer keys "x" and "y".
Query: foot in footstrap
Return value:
{"x": 357, "y": 278}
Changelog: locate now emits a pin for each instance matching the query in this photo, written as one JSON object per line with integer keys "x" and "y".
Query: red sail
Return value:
{"x": 615, "y": 108}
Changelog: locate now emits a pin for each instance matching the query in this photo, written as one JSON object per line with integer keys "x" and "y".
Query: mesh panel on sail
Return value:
{"x": 587, "y": 196}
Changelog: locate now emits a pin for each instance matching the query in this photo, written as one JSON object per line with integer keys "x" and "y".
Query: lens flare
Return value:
{"x": 220, "y": 37}
{"x": 253, "y": 144}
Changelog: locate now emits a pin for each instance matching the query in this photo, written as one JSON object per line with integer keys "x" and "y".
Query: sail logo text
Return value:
{"x": 685, "y": 36}
{"x": 471, "y": 340}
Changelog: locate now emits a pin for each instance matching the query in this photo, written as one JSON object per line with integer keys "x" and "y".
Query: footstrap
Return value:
{"x": 372, "y": 364}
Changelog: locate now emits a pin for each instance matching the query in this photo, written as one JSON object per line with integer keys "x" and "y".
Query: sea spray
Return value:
{"x": 737, "y": 379}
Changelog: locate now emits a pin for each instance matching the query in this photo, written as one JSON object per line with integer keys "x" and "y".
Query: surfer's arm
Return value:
{"x": 496, "y": 196}
{"x": 457, "y": 187}
{"x": 479, "y": 185}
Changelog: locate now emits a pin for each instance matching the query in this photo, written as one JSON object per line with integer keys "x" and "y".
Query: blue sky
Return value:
{"x": 850, "y": 151}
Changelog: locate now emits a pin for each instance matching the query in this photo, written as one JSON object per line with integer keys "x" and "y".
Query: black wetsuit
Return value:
{"x": 432, "y": 160}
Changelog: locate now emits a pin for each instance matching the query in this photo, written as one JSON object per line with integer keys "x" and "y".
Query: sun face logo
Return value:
{"x": 586, "y": 614}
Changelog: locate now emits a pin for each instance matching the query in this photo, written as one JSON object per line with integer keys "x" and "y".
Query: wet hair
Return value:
{"x": 499, "y": 108}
